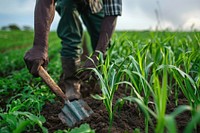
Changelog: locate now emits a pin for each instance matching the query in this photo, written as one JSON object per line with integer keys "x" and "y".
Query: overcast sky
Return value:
{"x": 137, "y": 14}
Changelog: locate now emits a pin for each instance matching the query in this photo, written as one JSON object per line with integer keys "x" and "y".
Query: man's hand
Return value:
{"x": 34, "y": 59}
{"x": 86, "y": 74}
{"x": 38, "y": 55}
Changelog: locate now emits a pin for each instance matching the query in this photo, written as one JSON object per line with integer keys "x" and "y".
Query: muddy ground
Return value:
{"x": 125, "y": 120}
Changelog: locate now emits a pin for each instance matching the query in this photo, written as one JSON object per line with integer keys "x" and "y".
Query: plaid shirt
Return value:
{"x": 111, "y": 7}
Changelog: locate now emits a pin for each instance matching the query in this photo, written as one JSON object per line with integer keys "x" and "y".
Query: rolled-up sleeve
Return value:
{"x": 112, "y": 7}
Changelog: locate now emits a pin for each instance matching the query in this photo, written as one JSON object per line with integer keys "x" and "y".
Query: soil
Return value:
{"x": 127, "y": 119}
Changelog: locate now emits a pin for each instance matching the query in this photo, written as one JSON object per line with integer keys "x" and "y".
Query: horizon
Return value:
{"x": 136, "y": 15}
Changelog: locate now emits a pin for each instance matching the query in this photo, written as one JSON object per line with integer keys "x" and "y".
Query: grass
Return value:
{"x": 154, "y": 66}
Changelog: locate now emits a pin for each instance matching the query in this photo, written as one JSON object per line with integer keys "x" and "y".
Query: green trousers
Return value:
{"x": 70, "y": 28}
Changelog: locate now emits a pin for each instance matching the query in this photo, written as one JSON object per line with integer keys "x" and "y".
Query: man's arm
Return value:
{"x": 38, "y": 54}
{"x": 112, "y": 9}
{"x": 107, "y": 28}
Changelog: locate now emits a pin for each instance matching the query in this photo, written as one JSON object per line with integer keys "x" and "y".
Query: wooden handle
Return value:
{"x": 50, "y": 82}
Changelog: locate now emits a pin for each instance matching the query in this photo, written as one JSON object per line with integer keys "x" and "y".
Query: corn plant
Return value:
{"x": 158, "y": 55}
{"x": 109, "y": 75}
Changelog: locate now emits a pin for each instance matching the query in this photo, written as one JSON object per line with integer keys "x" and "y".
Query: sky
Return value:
{"x": 136, "y": 14}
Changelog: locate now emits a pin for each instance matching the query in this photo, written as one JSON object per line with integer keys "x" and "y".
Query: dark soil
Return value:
{"x": 127, "y": 119}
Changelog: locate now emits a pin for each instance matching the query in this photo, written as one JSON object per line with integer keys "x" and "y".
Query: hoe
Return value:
{"x": 73, "y": 111}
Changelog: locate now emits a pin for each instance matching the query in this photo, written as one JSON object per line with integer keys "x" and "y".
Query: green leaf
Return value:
{"x": 84, "y": 128}
{"x": 180, "y": 109}
{"x": 193, "y": 123}
{"x": 21, "y": 126}
{"x": 146, "y": 110}
{"x": 170, "y": 123}
{"x": 11, "y": 120}
{"x": 98, "y": 97}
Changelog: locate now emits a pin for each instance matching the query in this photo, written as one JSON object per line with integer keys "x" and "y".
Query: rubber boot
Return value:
{"x": 69, "y": 83}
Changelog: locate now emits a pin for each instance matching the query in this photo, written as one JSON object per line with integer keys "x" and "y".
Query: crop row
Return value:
{"x": 157, "y": 67}
{"x": 153, "y": 65}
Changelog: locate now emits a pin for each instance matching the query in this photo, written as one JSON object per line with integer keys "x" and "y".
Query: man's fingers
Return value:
{"x": 82, "y": 75}
{"x": 34, "y": 58}
{"x": 28, "y": 64}
{"x": 45, "y": 64}
{"x": 86, "y": 75}
{"x": 35, "y": 67}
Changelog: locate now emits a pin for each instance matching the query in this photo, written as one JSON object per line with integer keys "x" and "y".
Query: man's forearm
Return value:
{"x": 38, "y": 55}
{"x": 43, "y": 17}
{"x": 107, "y": 28}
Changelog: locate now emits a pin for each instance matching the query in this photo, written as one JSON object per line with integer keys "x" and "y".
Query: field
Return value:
{"x": 148, "y": 82}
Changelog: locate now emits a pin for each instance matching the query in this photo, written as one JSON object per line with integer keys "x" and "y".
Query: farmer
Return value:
{"x": 100, "y": 21}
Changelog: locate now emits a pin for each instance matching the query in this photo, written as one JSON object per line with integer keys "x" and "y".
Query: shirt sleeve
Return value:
{"x": 112, "y": 7}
